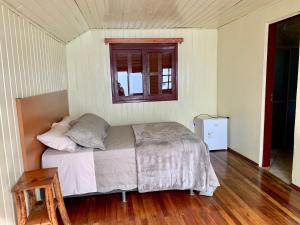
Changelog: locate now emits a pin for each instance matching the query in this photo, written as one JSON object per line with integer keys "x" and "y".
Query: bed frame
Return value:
{"x": 36, "y": 114}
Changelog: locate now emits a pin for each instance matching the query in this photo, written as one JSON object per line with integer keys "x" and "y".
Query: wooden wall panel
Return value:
{"x": 90, "y": 84}
{"x": 31, "y": 63}
{"x": 67, "y": 19}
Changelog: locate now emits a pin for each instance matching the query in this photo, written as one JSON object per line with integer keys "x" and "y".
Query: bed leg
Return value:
{"x": 124, "y": 198}
{"x": 192, "y": 192}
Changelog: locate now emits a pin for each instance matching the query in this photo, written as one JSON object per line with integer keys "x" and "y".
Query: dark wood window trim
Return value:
{"x": 145, "y": 50}
{"x": 141, "y": 40}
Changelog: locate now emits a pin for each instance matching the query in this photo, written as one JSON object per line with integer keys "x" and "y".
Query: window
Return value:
{"x": 143, "y": 72}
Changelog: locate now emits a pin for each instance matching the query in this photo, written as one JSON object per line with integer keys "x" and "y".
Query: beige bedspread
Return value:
{"x": 170, "y": 157}
{"x": 115, "y": 168}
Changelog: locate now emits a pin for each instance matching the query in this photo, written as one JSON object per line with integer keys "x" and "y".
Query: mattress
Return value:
{"x": 93, "y": 170}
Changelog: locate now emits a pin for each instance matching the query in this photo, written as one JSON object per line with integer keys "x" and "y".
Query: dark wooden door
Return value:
{"x": 269, "y": 95}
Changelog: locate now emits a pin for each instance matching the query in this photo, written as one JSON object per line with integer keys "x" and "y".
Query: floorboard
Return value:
{"x": 247, "y": 195}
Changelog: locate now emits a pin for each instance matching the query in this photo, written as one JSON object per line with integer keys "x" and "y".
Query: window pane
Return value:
{"x": 165, "y": 79}
{"x": 122, "y": 74}
{"x": 165, "y": 86}
{"x": 153, "y": 85}
{"x": 122, "y": 83}
{"x": 136, "y": 77}
{"x": 153, "y": 62}
{"x": 167, "y": 73}
{"x": 136, "y": 84}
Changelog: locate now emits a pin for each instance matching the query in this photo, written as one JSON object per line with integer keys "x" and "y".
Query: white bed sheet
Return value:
{"x": 87, "y": 171}
{"x": 76, "y": 170}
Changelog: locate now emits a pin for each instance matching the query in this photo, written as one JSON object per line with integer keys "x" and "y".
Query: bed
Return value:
{"x": 143, "y": 157}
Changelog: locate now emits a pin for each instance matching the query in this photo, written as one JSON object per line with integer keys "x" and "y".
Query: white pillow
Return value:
{"x": 65, "y": 121}
{"x": 55, "y": 138}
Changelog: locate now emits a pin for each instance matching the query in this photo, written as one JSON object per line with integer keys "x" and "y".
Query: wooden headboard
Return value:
{"x": 35, "y": 115}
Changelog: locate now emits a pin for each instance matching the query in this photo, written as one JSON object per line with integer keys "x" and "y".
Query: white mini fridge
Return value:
{"x": 213, "y": 131}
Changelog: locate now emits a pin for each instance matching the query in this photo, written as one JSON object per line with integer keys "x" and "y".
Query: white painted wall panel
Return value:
{"x": 242, "y": 51}
{"x": 90, "y": 78}
{"x": 31, "y": 63}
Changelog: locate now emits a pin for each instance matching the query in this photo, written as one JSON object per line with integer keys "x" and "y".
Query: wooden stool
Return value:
{"x": 40, "y": 212}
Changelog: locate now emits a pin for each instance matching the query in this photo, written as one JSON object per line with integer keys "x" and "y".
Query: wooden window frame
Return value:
{"x": 142, "y": 40}
{"x": 144, "y": 49}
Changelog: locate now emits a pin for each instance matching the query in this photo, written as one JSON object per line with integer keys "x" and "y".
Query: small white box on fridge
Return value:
{"x": 213, "y": 131}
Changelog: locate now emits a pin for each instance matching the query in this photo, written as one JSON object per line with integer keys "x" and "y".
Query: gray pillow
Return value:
{"x": 89, "y": 131}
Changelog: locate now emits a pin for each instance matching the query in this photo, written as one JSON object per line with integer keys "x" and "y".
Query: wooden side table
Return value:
{"x": 40, "y": 212}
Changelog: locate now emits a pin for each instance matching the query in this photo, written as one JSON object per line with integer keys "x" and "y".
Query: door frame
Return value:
{"x": 271, "y": 58}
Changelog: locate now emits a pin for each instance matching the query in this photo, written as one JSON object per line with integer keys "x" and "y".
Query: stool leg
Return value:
{"x": 49, "y": 199}
{"x": 20, "y": 207}
{"x": 60, "y": 201}
{"x": 32, "y": 198}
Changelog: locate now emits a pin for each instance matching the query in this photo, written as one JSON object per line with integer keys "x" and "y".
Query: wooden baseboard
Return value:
{"x": 297, "y": 188}
{"x": 243, "y": 157}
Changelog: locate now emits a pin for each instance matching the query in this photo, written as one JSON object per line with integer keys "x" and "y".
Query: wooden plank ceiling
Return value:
{"x": 66, "y": 19}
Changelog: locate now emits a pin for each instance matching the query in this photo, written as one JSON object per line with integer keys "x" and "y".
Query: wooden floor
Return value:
{"x": 247, "y": 195}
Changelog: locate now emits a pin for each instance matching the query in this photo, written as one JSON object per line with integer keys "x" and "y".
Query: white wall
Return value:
{"x": 90, "y": 78}
{"x": 31, "y": 62}
{"x": 242, "y": 51}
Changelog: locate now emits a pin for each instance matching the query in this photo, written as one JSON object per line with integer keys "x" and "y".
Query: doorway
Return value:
{"x": 281, "y": 91}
